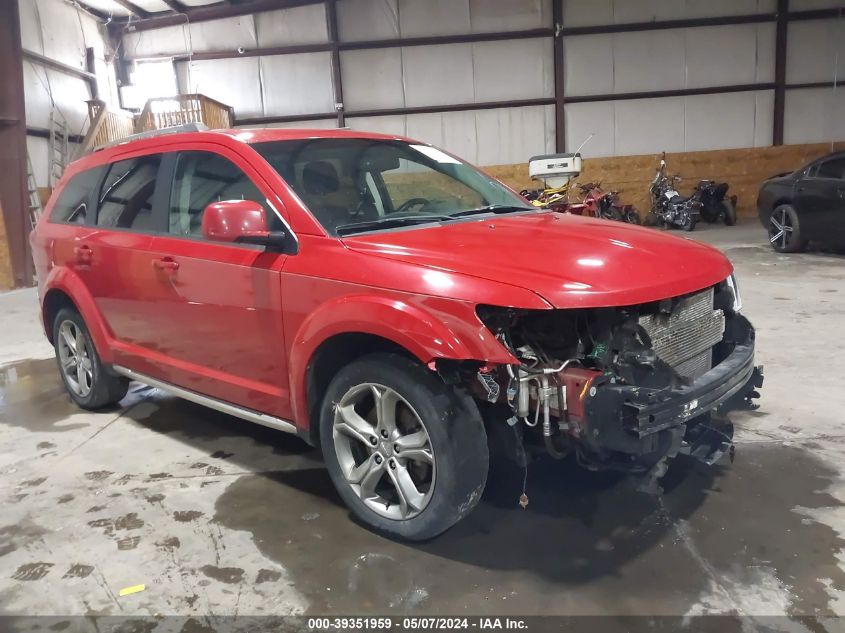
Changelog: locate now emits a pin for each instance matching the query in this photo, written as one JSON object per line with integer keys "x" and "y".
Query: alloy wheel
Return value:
{"x": 75, "y": 358}
{"x": 780, "y": 229}
{"x": 384, "y": 451}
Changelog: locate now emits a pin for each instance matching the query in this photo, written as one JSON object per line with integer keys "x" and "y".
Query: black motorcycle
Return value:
{"x": 715, "y": 205}
{"x": 668, "y": 207}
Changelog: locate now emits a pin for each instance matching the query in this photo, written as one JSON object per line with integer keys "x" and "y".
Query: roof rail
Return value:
{"x": 176, "y": 129}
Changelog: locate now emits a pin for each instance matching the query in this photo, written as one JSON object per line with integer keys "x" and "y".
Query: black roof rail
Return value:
{"x": 176, "y": 129}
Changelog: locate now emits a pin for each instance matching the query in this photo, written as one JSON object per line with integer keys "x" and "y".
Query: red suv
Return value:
{"x": 391, "y": 304}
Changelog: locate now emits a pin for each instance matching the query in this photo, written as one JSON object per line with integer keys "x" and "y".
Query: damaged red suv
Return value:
{"x": 390, "y": 304}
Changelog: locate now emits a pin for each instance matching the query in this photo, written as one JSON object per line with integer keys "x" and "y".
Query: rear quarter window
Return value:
{"x": 126, "y": 196}
{"x": 72, "y": 205}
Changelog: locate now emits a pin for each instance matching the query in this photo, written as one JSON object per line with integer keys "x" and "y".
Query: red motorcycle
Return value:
{"x": 600, "y": 204}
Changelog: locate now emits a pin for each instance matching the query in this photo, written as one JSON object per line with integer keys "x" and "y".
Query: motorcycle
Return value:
{"x": 600, "y": 204}
{"x": 668, "y": 207}
{"x": 714, "y": 203}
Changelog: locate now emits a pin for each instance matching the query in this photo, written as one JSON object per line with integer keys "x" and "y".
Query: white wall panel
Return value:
{"x": 484, "y": 137}
{"x": 814, "y": 115}
{"x": 372, "y": 79}
{"x": 299, "y": 25}
{"x": 169, "y": 40}
{"x": 812, "y": 51}
{"x": 367, "y": 20}
{"x": 805, "y": 5}
{"x": 212, "y": 35}
{"x": 671, "y": 59}
{"x": 438, "y": 75}
{"x": 742, "y": 119}
{"x": 644, "y": 126}
{"x": 453, "y": 131}
{"x": 433, "y": 17}
{"x": 724, "y": 55}
{"x": 595, "y": 12}
{"x": 583, "y": 119}
{"x": 508, "y": 15}
{"x": 513, "y": 69}
{"x": 297, "y": 84}
{"x": 692, "y": 123}
{"x": 37, "y": 149}
{"x": 235, "y": 82}
{"x": 315, "y": 124}
{"x": 513, "y": 135}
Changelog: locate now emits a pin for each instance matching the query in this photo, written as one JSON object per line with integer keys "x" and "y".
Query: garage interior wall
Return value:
{"x": 60, "y": 32}
{"x": 458, "y": 74}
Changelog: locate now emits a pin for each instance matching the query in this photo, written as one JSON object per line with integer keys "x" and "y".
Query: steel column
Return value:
{"x": 560, "y": 76}
{"x": 781, "y": 34}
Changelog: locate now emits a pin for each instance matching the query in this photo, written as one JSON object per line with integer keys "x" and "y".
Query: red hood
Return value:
{"x": 569, "y": 260}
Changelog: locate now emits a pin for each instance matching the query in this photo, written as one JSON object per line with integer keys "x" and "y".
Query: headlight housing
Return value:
{"x": 732, "y": 286}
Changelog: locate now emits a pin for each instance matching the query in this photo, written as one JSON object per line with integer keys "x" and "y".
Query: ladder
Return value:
{"x": 34, "y": 199}
{"x": 58, "y": 146}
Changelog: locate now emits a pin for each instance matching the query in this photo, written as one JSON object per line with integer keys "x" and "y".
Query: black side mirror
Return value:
{"x": 277, "y": 241}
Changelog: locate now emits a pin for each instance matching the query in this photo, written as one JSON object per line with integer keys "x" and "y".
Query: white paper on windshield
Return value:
{"x": 435, "y": 154}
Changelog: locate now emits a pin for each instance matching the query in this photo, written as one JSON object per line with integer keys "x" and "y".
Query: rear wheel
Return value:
{"x": 407, "y": 453}
{"x": 632, "y": 216}
{"x": 785, "y": 230}
{"x": 689, "y": 223}
{"x": 728, "y": 212}
{"x": 86, "y": 379}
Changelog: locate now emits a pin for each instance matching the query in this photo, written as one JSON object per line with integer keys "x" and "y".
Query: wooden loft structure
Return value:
{"x": 107, "y": 126}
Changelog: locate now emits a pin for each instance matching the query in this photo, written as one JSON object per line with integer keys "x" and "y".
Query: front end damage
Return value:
{"x": 625, "y": 388}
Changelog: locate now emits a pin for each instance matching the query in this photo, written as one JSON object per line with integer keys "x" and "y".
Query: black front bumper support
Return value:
{"x": 628, "y": 418}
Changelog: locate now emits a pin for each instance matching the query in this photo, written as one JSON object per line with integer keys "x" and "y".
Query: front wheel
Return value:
{"x": 631, "y": 216}
{"x": 407, "y": 453}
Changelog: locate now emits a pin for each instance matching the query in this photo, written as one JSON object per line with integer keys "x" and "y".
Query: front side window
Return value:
{"x": 126, "y": 196}
{"x": 71, "y": 207}
{"x": 355, "y": 184}
{"x": 202, "y": 178}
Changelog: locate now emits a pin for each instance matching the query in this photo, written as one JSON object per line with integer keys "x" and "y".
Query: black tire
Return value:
{"x": 105, "y": 388}
{"x": 728, "y": 212}
{"x": 689, "y": 223}
{"x": 632, "y": 217}
{"x": 791, "y": 240}
{"x": 455, "y": 430}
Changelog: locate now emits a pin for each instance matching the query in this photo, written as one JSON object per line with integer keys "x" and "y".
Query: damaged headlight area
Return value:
{"x": 625, "y": 387}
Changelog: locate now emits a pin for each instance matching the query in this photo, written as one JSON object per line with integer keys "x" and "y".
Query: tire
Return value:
{"x": 689, "y": 224}
{"x": 632, "y": 216}
{"x": 728, "y": 212}
{"x": 88, "y": 382}
{"x": 448, "y": 431}
{"x": 785, "y": 234}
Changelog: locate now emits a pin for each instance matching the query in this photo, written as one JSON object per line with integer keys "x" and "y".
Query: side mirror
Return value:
{"x": 243, "y": 222}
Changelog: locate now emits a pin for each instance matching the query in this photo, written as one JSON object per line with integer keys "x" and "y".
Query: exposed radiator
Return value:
{"x": 685, "y": 338}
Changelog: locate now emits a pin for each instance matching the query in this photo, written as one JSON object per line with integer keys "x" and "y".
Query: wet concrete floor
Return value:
{"x": 215, "y": 515}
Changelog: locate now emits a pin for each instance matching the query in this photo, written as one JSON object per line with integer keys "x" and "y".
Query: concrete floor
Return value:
{"x": 215, "y": 515}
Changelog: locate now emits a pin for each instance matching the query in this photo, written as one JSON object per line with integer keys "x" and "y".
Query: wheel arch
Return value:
{"x": 65, "y": 289}
{"x": 347, "y": 328}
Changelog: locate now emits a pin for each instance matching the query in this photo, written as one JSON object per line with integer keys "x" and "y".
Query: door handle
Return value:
{"x": 83, "y": 254}
{"x": 166, "y": 264}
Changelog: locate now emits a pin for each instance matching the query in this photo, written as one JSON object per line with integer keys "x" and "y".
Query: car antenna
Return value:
{"x": 586, "y": 140}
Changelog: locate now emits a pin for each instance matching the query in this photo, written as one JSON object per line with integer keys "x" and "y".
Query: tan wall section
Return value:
{"x": 742, "y": 169}
{"x": 6, "y": 277}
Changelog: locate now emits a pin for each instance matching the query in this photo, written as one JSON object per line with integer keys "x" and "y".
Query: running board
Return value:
{"x": 212, "y": 403}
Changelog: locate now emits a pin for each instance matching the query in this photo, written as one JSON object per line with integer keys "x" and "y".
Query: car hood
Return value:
{"x": 569, "y": 260}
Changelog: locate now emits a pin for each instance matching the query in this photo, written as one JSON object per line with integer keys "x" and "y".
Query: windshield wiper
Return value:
{"x": 492, "y": 208}
{"x": 388, "y": 223}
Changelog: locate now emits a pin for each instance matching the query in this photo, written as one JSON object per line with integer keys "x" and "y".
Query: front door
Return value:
{"x": 217, "y": 320}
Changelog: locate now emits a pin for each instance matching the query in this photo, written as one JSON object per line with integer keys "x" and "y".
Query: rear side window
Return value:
{"x": 72, "y": 204}
{"x": 126, "y": 197}
{"x": 202, "y": 178}
{"x": 833, "y": 168}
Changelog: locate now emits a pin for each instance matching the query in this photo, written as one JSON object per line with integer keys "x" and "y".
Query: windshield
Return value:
{"x": 353, "y": 184}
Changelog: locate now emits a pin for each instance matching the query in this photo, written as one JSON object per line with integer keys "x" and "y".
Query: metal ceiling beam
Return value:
{"x": 209, "y": 12}
{"x": 88, "y": 77}
{"x": 177, "y": 6}
{"x": 134, "y": 9}
{"x": 100, "y": 15}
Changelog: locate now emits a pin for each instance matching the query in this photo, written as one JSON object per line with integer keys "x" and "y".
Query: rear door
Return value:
{"x": 215, "y": 308}
{"x": 112, "y": 253}
{"x": 820, "y": 199}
